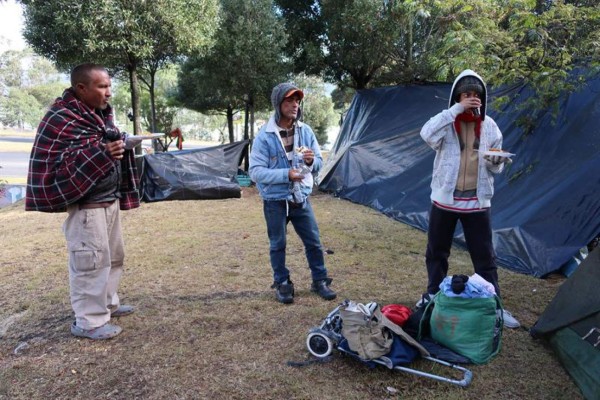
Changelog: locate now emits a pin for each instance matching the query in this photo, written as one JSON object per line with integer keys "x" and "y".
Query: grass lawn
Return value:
{"x": 207, "y": 325}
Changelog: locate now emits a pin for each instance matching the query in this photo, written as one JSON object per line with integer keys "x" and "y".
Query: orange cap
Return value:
{"x": 292, "y": 92}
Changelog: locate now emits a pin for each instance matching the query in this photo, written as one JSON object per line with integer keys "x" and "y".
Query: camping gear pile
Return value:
{"x": 366, "y": 334}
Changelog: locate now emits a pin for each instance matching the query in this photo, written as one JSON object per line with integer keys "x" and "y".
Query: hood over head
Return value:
{"x": 282, "y": 91}
{"x": 469, "y": 80}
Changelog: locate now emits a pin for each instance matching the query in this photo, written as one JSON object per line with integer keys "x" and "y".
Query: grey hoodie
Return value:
{"x": 277, "y": 98}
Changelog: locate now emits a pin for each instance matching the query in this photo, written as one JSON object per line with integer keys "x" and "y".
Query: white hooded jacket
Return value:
{"x": 440, "y": 135}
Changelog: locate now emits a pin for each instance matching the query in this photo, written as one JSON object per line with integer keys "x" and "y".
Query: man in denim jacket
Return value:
{"x": 284, "y": 156}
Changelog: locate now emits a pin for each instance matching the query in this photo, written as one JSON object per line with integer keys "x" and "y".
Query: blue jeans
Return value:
{"x": 305, "y": 225}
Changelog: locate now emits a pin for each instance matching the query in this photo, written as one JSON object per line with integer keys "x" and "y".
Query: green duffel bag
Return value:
{"x": 469, "y": 327}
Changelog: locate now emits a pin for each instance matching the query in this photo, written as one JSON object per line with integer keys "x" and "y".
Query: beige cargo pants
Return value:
{"x": 96, "y": 255}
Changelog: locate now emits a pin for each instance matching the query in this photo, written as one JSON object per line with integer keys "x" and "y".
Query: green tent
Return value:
{"x": 571, "y": 325}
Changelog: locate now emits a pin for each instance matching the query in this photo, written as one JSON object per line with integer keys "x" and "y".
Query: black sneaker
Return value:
{"x": 284, "y": 292}
{"x": 321, "y": 288}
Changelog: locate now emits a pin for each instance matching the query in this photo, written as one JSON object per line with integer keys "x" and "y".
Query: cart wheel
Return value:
{"x": 319, "y": 345}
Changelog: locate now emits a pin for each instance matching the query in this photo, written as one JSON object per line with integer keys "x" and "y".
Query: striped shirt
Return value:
{"x": 464, "y": 202}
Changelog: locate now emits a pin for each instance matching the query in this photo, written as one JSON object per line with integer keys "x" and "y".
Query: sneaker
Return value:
{"x": 321, "y": 288}
{"x": 122, "y": 311}
{"x": 510, "y": 321}
{"x": 284, "y": 291}
{"x": 426, "y": 298}
{"x": 105, "y": 331}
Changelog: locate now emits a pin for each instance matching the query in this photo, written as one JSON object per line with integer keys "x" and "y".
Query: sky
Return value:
{"x": 11, "y": 24}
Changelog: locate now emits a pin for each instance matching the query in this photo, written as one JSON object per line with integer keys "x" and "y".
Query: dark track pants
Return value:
{"x": 478, "y": 235}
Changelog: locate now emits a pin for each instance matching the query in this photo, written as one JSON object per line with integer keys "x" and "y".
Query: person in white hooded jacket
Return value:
{"x": 462, "y": 183}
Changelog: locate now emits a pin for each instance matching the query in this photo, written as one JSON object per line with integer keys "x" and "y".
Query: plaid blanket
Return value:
{"x": 68, "y": 158}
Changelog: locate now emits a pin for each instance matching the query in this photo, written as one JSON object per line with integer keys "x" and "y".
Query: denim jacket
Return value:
{"x": 269, "y": 165}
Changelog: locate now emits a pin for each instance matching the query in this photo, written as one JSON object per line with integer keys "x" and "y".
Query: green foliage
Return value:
{"x": 124, "y": 35}
{"x": 306, "y": 38}
{"x": 20, "y": 109}
{"x": 251, "y": 40}
{"x": 118, "y": 32}
{"x": 165, "y": 109}
{"x": 30, "y": 84}
{"x": 352, "y": 43}
{"x": 373, "y": 43}
{"x": 165, "y": 114}
{"x": 46, "y": 93}
{"x": 200, "y": 126}
{"x": 342, "y": 97}
{"x": 121, "y": 103}
{"x": 544, "y": 45}
{"x": 244, "y": 64}
{"x": 11, "y": 68}
{"x": 359, "y": 37}
{"x": 439, "y": 39}
{"x": 317, "y": 107}
{"x": 194, "y": 125}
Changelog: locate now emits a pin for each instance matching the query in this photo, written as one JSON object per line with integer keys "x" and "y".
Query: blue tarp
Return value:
{"x": 10, "y": 194}
{"x": 547, "y": 203}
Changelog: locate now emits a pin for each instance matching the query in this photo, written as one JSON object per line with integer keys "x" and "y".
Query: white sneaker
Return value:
{"x": 510, "y": 321}
{"x": 426, "y": 298}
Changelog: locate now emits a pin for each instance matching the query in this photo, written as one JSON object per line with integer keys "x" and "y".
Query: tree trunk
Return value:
{"x": 246, "y": 109}
{"x": 246, "y": 159}
{"x": 230, "y": 123}
{"x": 251, "y": 117}
{"x": 361, "y": 79}
{"x": 409, "y": 43}
{"x": 135, "y": 102}
{"x": 152, "y": 102}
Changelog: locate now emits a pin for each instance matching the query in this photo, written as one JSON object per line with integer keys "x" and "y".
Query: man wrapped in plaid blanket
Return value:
{"x": 79, "y": 163}
{"x": 69, "y": 157}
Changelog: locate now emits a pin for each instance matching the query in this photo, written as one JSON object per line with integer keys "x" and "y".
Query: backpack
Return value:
{"x": 369, "y": 333}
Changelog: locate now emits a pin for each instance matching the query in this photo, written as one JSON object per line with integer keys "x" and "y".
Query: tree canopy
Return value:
{"x": 232, "y": 52}
{"x": 244, "y": 64}
{"x": 28, "y": 84}
{"x": 124, "y": 35}
{"x": 365, "y": 44}
{"x": 372, "y": 43}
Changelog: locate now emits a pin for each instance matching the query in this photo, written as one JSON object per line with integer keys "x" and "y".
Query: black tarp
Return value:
{"x": 547, "y": 203}
{"x": 205, "y": 173}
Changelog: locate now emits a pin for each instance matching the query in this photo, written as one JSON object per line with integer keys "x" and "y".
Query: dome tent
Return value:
{"x": 546, "y": 204}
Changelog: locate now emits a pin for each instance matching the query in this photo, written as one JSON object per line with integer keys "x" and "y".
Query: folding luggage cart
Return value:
{"x": 322, "y": 340}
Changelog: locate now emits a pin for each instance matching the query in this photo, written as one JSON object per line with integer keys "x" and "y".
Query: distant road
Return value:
{"x": 16, "y": 139}
{"x": 14, "y": 164}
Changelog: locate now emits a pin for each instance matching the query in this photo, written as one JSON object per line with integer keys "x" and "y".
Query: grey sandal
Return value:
{"x": 122, "y": 311}
{"x": 105, "y": 331}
